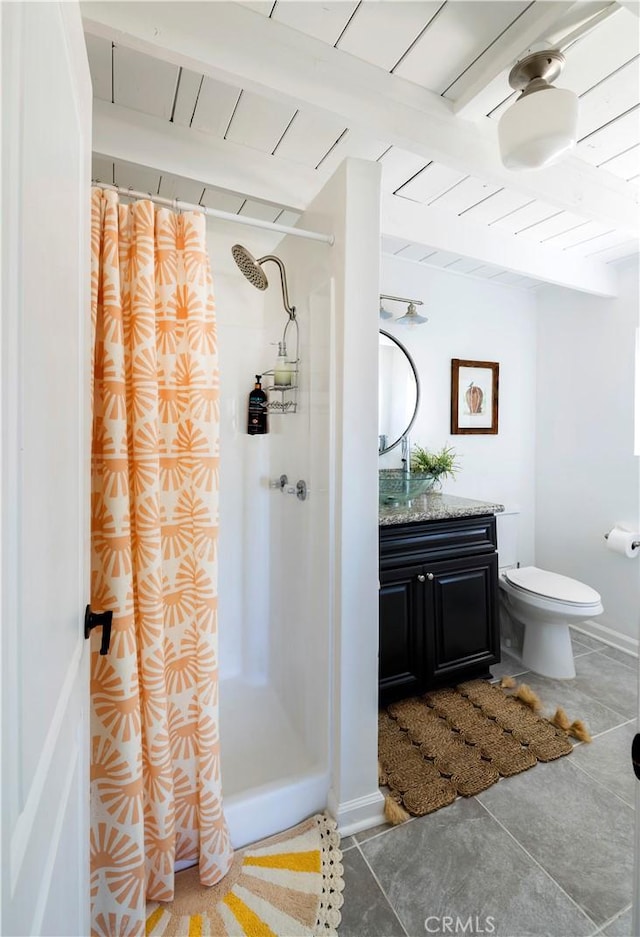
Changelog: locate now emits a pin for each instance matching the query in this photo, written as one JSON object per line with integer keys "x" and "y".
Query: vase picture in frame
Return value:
{"x": 474, "y": 396}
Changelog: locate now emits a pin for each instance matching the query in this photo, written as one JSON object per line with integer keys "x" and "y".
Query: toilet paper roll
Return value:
{"x": 621, "y": 541}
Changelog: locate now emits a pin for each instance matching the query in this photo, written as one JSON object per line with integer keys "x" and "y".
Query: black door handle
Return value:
{"x": 635, "y": 755}
{"x": 97, "y": 620}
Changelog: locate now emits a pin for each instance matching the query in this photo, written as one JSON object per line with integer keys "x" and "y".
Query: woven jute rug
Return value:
{"x": 460, "y": 741}
{"x": 289, "y": 885}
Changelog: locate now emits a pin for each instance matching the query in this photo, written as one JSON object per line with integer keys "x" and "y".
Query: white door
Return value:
{"x": 635, "y": 911}
{"x": 44, "y": 396}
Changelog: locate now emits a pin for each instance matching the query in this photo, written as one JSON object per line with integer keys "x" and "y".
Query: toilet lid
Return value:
{"x": 552, "y": 585}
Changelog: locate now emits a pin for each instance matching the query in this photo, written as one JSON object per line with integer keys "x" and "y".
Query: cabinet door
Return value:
{"x": 462, "y": 617}
{"x": 402, "y": 643}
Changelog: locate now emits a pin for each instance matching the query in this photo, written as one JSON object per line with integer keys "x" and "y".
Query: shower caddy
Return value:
{"x": 288, "y": 400}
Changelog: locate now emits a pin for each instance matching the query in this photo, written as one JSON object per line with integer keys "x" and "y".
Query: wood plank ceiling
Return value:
{"x": 407, "y": 39}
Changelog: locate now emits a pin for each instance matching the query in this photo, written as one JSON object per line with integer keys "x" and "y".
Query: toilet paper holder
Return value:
{"x": 634, "y": 545}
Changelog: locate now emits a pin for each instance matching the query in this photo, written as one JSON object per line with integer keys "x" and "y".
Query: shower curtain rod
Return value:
{"x": 179, "y": 205}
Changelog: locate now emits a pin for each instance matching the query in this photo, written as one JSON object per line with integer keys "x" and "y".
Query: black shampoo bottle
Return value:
{"x": 257, "y": 423}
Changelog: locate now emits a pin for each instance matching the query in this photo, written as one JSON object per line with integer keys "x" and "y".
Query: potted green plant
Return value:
{"x": 441, "y": 464}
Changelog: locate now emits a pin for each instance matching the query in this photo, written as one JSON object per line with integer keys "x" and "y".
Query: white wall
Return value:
{"x": 300, "y": 543}
{"x": 349, "y": 206}
{"x": 587, "y": 475}
{"x": 482, "y": 321}
{"x": 244, "y": 503}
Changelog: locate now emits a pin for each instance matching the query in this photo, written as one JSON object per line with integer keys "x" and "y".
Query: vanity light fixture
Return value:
{"x": 411, "y": 316}
{"x": 384, "y": 313}
{"x": 543, "y": 123}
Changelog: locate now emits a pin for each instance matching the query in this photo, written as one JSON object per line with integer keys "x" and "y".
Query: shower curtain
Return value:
{"x": 155, "y": 768}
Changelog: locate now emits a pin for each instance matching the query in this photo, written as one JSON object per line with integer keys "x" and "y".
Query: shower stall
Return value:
{"x": 298, "y": 669}
{"x": 274, "y": 551}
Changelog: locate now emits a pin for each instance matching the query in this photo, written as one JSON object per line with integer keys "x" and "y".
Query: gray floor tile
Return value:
{"x": 608, "y": 760}
{"x": 579, "y": 648}
{"x": 621, "y": 927}
{"x": 365, "y": 912}
{"x": 347, "y": 842}
{"x": 574, "y": 828}
{"x": 509, "y": 666}
{"x": 364, "y": 835}
{"x": 459, "y": 863}
{"x": 575, "y": 698}
{"x": 621, "y": 656}
{"x": 611, "y": 683}
{"x": 587, "y": 640}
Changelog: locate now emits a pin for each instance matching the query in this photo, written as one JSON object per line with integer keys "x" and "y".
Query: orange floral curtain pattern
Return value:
{"x": 155, "y": 766}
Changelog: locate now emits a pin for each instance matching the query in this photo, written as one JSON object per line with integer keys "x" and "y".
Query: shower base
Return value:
{"x": 269, "y": 780}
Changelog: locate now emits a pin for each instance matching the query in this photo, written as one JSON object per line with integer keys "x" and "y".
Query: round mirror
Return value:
{"x": 398, "y": 392}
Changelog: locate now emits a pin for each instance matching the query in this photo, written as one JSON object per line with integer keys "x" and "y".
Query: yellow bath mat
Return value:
{"x": 289, "y": 885}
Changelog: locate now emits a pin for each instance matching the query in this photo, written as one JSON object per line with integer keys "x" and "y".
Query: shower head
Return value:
{"x": 252, "y": 270}
{"x": 249, "y": 267}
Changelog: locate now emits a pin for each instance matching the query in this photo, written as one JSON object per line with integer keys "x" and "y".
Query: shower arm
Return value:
{"x": 291, "y": 310}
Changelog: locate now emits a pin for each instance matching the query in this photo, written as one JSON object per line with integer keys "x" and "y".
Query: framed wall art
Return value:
{"x": 474, "y": 396}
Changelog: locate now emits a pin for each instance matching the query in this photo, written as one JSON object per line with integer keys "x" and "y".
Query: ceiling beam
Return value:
{"x": 122, "y": 133}
{"x": 435, "y": 228}
{"x": 233, "y": 44}
{"x": 505, "y": 51}
{"x": 542, "y": 25}
{"x": 632, "y": 5}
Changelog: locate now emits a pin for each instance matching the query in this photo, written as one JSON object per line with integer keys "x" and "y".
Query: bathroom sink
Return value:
{"x": 394, "y": 487}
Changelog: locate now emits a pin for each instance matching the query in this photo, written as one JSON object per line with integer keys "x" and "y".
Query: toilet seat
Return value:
{"x": 544, "y": 584}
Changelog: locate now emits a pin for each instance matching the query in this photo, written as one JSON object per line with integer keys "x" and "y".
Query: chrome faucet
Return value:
{"x": 405, "y": 448}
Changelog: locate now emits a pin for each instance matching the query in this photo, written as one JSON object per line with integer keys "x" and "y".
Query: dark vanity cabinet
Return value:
{"x": 438, "y": 604}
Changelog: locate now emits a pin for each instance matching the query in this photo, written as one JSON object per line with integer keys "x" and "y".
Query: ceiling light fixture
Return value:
{"x": 540, "y": 127}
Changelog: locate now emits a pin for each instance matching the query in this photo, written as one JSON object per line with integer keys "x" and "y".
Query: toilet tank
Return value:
{"x": 507, "y": 531}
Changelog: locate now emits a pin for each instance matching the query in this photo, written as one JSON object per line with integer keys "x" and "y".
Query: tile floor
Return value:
{"x": 547, "y": 852}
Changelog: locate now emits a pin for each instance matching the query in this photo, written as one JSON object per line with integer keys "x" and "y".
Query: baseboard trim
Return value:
{"x": 609, "y": 636}
{"x": 352, "y": 816}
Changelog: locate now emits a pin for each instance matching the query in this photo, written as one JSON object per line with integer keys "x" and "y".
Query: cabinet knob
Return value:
{"x": 429, "y": 576}
{"x": 421, "y": 578}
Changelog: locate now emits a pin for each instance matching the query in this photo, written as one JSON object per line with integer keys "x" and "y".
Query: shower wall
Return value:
{"x": 300, "y": 534}
{"x": 274, "y": 666}
{"x": 241, "y": 342}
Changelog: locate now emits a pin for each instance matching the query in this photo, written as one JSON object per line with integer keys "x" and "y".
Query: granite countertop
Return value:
{"x": 435, "y": 506}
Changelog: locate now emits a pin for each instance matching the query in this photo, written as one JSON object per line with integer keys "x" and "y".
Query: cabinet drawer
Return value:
{"x": 437, "y": 540}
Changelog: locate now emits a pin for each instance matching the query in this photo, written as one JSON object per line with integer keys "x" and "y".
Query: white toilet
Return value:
{"x": 546, "y": 603}
{"x": 536, "y": 607}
